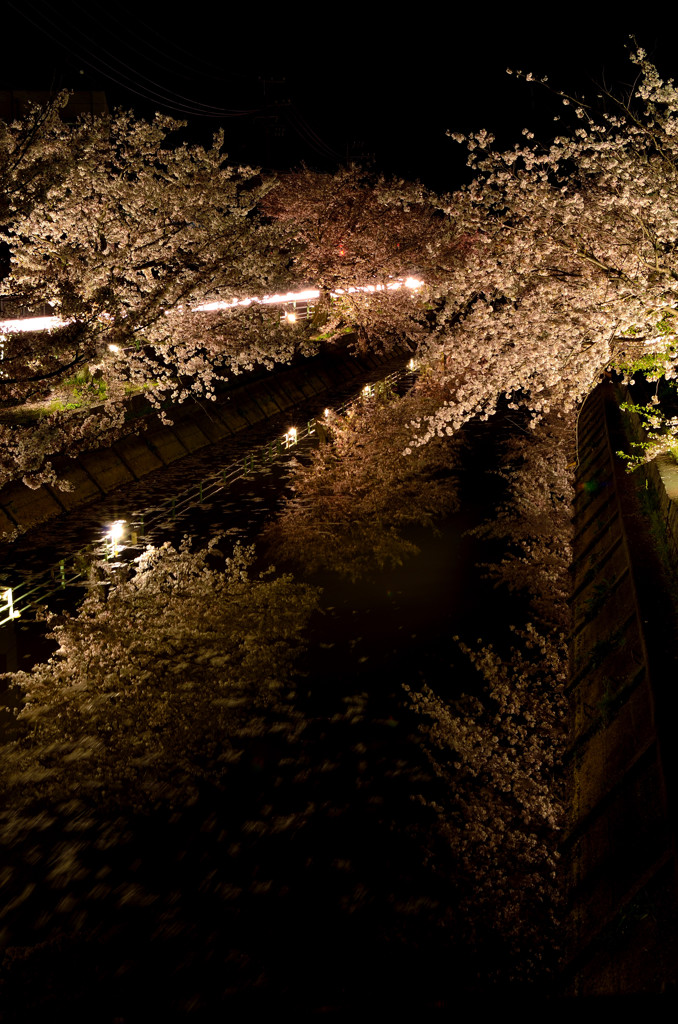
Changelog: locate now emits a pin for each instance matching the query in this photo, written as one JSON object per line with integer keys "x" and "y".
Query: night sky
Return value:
{"x": 297, "y": 86}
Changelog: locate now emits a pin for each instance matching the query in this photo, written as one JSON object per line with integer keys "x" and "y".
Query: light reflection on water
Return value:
{"x": 239, "y": 509}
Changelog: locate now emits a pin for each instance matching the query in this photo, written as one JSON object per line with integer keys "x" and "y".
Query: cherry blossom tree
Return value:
{"x": 170, "y": 797}
{"x": 570, "y": 261}
{"x": 33, "y": 160}
{"x": 157, "y": 683}
{"x": 125, "y": 230}
{"x": 357, "y": 495}
{"x": 498, "y": 753}
{"x": 497, "y": 747}
{"x": 534, "y": 521}
{"x": 356, "y": 227}
{"x": 135, "y": 227}
{"x": 132, "y": 225}
{"x": 163, "y": 688}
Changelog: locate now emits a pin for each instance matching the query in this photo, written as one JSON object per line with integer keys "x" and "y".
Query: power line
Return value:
{"x": 169, "y": 92}
{"x": 131, "y": 85}
{"x": 169, "y": 42}
{"x": 304, "y": 130}
{"x": 128, "y": 78}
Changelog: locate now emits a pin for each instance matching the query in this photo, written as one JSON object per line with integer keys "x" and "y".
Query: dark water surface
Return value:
{"x": 238, "y": 510}
{"x": 207, "y": 907}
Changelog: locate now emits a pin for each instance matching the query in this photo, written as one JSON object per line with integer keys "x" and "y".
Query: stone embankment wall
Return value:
{"x": 619, "y": 849}
{"x": 95, "y": 473}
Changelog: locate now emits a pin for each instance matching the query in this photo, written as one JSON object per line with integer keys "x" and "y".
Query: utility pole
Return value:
{"x": 271, "y": 122}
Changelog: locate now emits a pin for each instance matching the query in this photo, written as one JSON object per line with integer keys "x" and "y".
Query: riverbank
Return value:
{"x": 152, "y": 445}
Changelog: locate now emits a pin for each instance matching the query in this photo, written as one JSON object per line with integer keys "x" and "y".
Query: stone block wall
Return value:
{"x": 619, "y": 850}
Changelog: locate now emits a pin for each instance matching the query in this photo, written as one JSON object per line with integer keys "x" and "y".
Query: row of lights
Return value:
{"x": 117, "y": 529}
{"x": 48, "y": 323}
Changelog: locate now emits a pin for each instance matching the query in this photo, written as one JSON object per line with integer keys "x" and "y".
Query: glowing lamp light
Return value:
{"x": 113, "y": 348}
{"x": 411, "y": 365}
{"x": 117, "y": 529}
{"x": 32, "y": 323}
{"x": 290, "y": 438}
{"x": 327, "y": 412}
{"x": 6, "y": 597}
{"x": 266, "y": 300}
{"x": 115, "y": 533}
{"x": 308, "y": 293}
{"x": 291, "y": 318}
